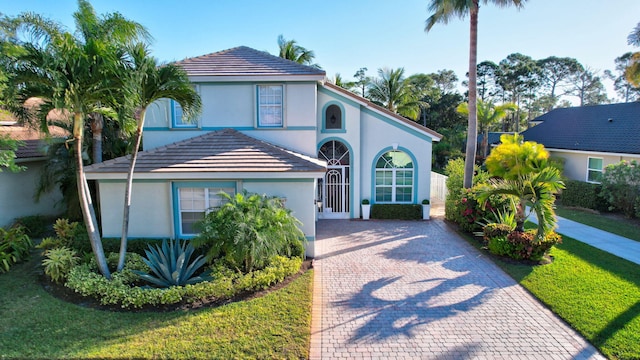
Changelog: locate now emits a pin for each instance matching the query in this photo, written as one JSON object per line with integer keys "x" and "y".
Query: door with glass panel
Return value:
{"x": 334, "y": 187}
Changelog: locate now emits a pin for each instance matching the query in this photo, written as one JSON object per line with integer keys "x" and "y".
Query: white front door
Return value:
{"x": 334, "y": 187}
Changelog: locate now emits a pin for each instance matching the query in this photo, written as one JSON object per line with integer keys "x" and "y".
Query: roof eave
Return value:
{"x": 255, "y": 78}
{"x": 170, "y": 176}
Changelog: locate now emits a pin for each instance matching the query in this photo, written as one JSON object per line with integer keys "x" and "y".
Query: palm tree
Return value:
{"x": 442, "y": 12}
{"x": 290, "y": 50}
{"x": 147, "y": 82}
{"x": 391, "y": 91}
{"x": 489, "y": 114}
{"x": 632, "y": 73}
{"x": 522, "y": 172}
{"x": 111, "y": 28}
{"x": 77, "y": 74}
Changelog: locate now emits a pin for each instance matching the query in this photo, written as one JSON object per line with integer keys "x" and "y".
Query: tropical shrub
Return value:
{"x": 470, "y": 212}
{"x": 456, "y": 192}
{"x": 224, "y": 284}
{"x": 15, "y": 246}
{"x": 621, "y": 187}
{"x": 520, "y": 245}
{"x": 522, "y": 173}
{"x": 58, "y": 262}
{"x": 35, "y": 226}
{"x": 495, "y": 230}
{"x": 583, "y": 194}
{"x": 396, "y": 211}
{"x": 171, "y": 263}
{"x": 250, "y": 229}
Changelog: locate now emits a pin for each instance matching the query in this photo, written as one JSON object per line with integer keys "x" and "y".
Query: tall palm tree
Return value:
{"x": 442, "y": 12}
{"x": 113, "y": 28}
{"x": 489, "y": 114}
{"x": 290, "y": 50}
{"x": 77, "y": 74}
{"x": 394, "y": 93}
{"x": 147, "y": 82}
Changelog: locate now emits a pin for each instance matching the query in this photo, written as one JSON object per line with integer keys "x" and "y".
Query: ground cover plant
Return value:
{"x": 275, "y": 325}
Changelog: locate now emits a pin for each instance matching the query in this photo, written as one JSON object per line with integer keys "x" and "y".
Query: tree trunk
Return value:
{"x": 88, "y": 212}
{"x": 472, "y": 131}
{"x": 127, "y": 192}
{"x": 97, "y": 124}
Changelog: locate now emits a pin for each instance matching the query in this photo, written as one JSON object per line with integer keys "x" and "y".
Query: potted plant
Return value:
{"x": 366, "y": 209}
{"x": 426, "y": 209}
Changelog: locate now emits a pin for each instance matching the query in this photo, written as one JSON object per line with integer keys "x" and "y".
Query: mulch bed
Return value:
{"x": 65, "y": 294}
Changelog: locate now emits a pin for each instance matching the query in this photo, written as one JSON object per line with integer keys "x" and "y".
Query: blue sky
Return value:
{"x": 347, "y": 35}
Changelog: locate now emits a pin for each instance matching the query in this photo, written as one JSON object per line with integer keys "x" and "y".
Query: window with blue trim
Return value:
{"x": 333, "y": 118}
{"x": 394, "y": 178}
{"x": 195, "y": 202}
{"x": 177, "y": 118}
{"x": 270, "y": 105}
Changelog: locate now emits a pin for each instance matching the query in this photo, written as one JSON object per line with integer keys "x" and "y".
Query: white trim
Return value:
{"x": 254, "y": 78}
{"x": 601, "y": 153}
{"x": 207, "y": 175}
{"x": 601, "y": 170}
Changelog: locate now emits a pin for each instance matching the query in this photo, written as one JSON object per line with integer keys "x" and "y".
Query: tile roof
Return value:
{"x": 218, "y": 151}
{"x": 34, "y": 141}
{"x": 381, "y": 109}
{"x": 613, "y": 128}
{"x": 243, "y": 61}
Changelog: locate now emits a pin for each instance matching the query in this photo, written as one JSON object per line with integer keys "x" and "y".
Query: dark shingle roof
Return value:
{"x": 613, "y": 128}
{"x": 33, "y": 141}
{"x": 243, "y": 61}
{"x": 219, "y": 151}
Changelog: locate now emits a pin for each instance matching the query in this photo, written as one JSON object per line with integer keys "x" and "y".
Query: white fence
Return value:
{"x": 438, "y": 186}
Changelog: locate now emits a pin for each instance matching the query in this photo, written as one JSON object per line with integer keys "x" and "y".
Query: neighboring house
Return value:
{"x": 493, "y": 140}
{"x": 269, "y": 126}
{"x": 17, "y": 190}
{"x": 589, "y": 137}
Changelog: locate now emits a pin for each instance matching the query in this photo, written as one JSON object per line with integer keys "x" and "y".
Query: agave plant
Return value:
{"x": 170, "y": 262}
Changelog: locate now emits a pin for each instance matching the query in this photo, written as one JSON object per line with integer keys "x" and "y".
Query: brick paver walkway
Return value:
{"x": 415, "y": 290}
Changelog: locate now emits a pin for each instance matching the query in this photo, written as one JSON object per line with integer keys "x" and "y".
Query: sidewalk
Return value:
{"x": 617, "y": 245}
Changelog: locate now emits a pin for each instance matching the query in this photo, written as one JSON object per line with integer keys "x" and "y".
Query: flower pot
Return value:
{"x": 426, "y": 209}
{"x": 366, "y": 211}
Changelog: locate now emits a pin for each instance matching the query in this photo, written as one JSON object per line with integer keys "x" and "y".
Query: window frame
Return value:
{"x": 589, "y": 169}
{"x": 325, "y": 108}
{"x": 259, "y": 107}
{"x": 207, "y": 187}
{"x": 394, "y": 186}
{"x": 173, "y": 105}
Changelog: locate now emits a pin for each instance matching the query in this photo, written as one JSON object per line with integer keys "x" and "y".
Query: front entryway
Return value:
{"x": 334, "y": 188}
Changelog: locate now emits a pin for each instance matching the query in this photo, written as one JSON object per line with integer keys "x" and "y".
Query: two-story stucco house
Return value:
{"x": 269, "y": 126}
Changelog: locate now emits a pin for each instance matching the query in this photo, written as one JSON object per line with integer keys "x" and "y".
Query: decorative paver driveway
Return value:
{"x": 416, "y": 290}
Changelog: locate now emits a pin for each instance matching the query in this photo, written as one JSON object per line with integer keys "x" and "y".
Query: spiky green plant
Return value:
{"x": 170, "y": 262}
{"x": 58, "y": 262}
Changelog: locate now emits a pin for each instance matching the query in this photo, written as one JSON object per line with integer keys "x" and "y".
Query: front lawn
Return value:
{"x": 615, "y": 224}
{"x": 597, "y": 293}
{"x": 33, "y": 324}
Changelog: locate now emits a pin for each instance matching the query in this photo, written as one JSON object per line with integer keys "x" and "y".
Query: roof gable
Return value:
{"x": 245, "y": 61}
{"x": 613, "y": 128}
{"x": 220, "y": 151}
{"x": 382, "y": 111}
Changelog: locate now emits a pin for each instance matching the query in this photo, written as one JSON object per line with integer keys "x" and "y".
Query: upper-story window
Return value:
{"x": 333, "y": 117}
{"x": 270, "y": 106}
{"x": 177, "y": 118}
{"x": 594, "y": 170}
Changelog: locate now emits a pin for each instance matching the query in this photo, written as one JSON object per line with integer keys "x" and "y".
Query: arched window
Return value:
{"x": 394, "y": 178}
{"x": 333, "y": 118}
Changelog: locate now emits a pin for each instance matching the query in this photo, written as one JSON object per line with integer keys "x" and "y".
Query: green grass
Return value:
{"x": 33, "y": 324}
{"x": 629, "y": 228}
{"x": 597, "y": 293}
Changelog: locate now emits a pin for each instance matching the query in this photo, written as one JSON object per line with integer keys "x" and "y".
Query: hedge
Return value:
{"x": 583, "y": 194}
{"x": 396, "y": 211}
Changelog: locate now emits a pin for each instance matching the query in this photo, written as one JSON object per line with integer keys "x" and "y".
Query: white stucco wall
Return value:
{"x": 233, "y": 105}
{"x": 575, "y": 166}
{"x": 367, "y": 134}
{"x": 150, "y": 213}
{"x": 16, "y": 195}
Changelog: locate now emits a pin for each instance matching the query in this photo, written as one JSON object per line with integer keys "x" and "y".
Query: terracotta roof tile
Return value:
{"x": 218, "y": 151}
{"x": 243, "y": 61}
{"x": 34, "y": 141}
